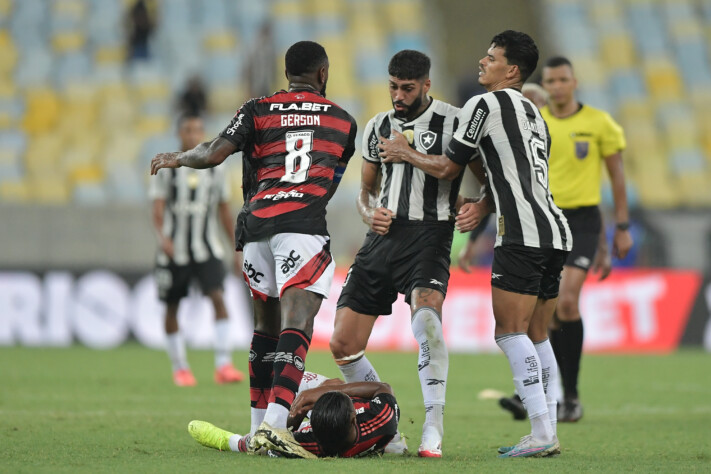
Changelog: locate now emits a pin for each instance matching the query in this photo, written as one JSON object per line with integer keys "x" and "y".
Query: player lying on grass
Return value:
{"x": 344, "y": 420}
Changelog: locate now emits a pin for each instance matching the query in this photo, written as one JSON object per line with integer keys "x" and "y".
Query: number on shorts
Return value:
{"x": 298, "y": 160}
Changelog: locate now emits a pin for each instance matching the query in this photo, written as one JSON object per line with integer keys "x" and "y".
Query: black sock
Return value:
{"x": 261, "y": 369}
{"x": 555, "y": 338}
{"x": 289, "y": 364}
{"x": 571, "y": 348}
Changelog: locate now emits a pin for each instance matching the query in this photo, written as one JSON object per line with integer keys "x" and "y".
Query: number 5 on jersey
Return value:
{"x": 298, "y": 161}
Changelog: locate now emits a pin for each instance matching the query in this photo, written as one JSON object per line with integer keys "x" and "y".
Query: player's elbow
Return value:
{"x": 449, "y": 171}
{"x": 385, "y": 388}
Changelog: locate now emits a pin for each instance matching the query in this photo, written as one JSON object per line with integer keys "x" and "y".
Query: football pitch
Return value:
{"x": 79, "y": 410}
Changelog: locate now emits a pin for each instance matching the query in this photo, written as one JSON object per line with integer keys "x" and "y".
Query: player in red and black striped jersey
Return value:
{"x": 296, "y": 145}
{"x": 345, "y": 420}
{"x": 292, "y": 143}
{"x": 348, "y": 420}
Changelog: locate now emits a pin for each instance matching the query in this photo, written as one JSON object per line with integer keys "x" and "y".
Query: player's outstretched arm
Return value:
{"x": 397, "y": 150}
{"x": 377, "y": 218}
{"x": 205, "y": 155}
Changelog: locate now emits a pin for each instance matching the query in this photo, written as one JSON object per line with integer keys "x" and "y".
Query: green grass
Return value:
{"x": 82, "y": 410}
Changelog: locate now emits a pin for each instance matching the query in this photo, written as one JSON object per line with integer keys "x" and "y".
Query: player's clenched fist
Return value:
{"x": 380, "y": 219}
{"x": 164, "y": 160}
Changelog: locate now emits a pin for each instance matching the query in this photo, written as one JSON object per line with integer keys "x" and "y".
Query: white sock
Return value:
{"x": 549, "y": 374}
{"x": 360, "y": 370}
{"x": 234, "y": 442}
{"x": 526, "y": 370}
{"x": 276, "y": 416}
{"x": 257, "y": 418}
{"x": 176, "y": 351}
{"x": 222, "y": 345}
{"x": 432, "y": 365}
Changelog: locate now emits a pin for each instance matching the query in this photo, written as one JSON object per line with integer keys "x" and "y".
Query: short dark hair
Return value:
{"x": 185, "y": 116}
{"x": 409, "y": 64}
{"x": 520, "y": 50}
{"x": 557, "y": 61}
{"x": 331, "y": 422}
{"x": 304, "y": 57}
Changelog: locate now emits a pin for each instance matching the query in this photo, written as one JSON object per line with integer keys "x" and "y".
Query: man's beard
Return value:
{"x": 410, "y": 110}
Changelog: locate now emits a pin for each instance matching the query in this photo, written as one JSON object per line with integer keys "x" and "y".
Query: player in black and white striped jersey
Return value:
{"x": 190, "y": 209}
{"x": 406, "y": 250}
{"x": 503, "y": 132}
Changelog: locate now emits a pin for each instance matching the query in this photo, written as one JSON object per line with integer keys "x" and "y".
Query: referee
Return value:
{"x": 583, "y": 139}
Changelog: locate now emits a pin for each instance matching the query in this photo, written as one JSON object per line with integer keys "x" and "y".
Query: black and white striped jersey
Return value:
{"x": 507, "y": 131}
{"x": 405, "y": 190}
{"x": 190, "y": 218}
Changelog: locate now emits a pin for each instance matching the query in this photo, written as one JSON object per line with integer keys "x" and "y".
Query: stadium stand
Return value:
{"x": 647, "y": 63}
{"x": 80, "y": 120}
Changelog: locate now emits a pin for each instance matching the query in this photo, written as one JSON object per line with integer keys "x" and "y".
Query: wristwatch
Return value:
{"x": 622, "y": 226}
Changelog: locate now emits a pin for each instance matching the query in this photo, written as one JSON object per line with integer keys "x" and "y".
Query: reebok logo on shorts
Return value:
{"x": 582, "y": 261}
{"x": 496, "y": 276}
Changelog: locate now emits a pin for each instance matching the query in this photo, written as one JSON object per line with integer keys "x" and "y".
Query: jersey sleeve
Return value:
{"x": 612, "y": 139}
{"x": 370, "y": 142}
{"x": 241, "y": 128}
{"x": 381, "y": 405}
{"x": 472, "y": 120}
{"x": 159, "y": 185}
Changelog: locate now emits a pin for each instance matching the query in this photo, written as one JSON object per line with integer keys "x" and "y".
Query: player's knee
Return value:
{"x": 343, "y": 349}
{"x": 567, "y": 308}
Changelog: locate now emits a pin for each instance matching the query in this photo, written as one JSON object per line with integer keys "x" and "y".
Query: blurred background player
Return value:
{"x": 472, "y": 249}
{"x": 503, "y": 132}
{"x": 189, "y": 206}
{"x": 407, "y": 247}
{"x": 583, "y": 138}
{"x": 296, "y": 145}
{"x": 344, "y": 420}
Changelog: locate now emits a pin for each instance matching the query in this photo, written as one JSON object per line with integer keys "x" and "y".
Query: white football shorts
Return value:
{"x": 278, "y": 262}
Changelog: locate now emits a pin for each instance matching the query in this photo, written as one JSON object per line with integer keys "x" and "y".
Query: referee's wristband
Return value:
{"x": 622, "y": 226}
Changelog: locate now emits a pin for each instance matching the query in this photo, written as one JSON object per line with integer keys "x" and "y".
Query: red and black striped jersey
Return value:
{"x": 291, "y": 143}
{"x": 377, "y": 420}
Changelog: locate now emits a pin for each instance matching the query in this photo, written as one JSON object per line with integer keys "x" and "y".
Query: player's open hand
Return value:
{"x": 470, "y": 215}
{"x": 380, "y": 220}
{"x": 621, "y": 243}
{"x": 164, "y": 160}
{"x": 394, "y": 149}
{"x": 602, "y": 263}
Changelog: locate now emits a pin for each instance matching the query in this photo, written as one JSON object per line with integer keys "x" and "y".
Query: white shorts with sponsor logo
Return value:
{"x": 276, "y": 263}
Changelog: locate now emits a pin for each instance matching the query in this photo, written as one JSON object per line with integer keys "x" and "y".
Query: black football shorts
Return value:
{"x": 585, "y": 225}
{"x": 528, "y": 270}
{"x": 411, "y": 255}
{"x": 174, "y": 280}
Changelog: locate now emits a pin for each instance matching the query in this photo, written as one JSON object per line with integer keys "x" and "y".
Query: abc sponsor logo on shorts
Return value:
{"x": 290, "y": 262}
{"x": 252, "y": 272}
